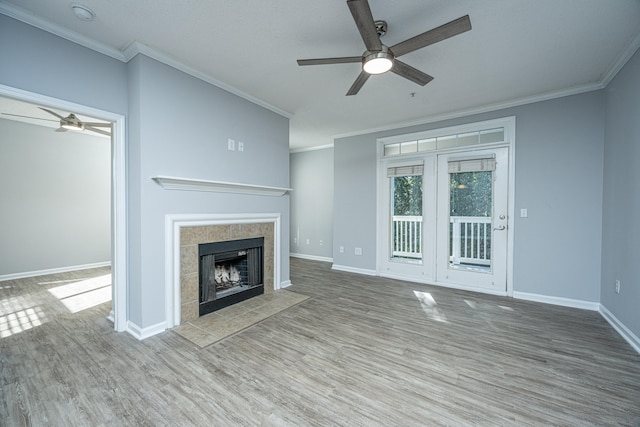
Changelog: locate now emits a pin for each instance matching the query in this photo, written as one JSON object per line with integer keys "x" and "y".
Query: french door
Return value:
{"x": 447, "y": 219}
{"x": 472, "y": 219}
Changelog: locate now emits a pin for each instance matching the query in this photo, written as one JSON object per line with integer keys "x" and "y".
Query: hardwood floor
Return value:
{"x": 362, "y": 351}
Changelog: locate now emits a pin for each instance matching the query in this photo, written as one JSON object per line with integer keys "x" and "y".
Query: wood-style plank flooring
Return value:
{"x": 362, "y": 351}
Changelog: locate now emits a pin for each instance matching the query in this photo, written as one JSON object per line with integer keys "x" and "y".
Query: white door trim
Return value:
{"x": 118, "y": 196}
{"x": 509, "y": 124}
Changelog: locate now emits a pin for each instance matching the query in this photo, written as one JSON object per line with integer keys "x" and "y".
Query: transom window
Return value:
{"x": 415, "y": 143}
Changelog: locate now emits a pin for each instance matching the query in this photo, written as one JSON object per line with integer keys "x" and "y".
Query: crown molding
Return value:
{"x": 26, "y": 17}
{"x": 620, "y": 62}
{"x": 136, "y": 48}
{"x": 576, "y": 90}
{"x": 129, "y": 52}
{"x": 605, "y": 79}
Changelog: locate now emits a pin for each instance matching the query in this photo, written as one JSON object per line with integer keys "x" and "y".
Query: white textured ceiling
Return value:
{"x": 517, "y": 51}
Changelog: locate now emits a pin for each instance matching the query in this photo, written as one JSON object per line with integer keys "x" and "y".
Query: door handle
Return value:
{"x": 502, "y": 227}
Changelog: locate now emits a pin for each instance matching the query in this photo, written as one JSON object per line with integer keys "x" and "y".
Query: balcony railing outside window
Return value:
{"x": 470, "y": 243}
{"x": 407, "y": 232}
{"x": 470, "y": 240}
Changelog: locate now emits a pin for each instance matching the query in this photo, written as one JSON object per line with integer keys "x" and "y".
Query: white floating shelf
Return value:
{"x": 189, "y": 184}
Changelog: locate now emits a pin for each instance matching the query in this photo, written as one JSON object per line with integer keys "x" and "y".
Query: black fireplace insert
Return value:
{"x": 230, "y": 272}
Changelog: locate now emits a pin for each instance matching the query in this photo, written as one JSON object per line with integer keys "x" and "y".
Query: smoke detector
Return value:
{"x": 82, "y": 12}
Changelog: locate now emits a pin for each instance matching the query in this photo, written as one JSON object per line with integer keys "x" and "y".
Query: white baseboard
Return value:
{"x": 625, "y": 332}
{"x": 565, "y": 302}
{"x": 285, "y": 284}
{"x": 311, "y": 257}
{"x": 14, "y": 276}
{"x": 456, "y": 286}
{"x": 143, "y": 333}
{"x": 354, "y": 270}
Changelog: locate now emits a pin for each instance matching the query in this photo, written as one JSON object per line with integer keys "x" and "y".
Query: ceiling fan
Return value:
{"x": 378, "y": 58}
{"x": 71, "y": 122}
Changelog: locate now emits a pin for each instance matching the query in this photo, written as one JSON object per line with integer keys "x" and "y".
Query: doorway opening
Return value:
{"x": 118, "y": 188}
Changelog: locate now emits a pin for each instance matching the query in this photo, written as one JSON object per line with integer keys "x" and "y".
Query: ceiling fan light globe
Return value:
{"x": 378, "y": 62}
{"x": 71, "y": 126}
{"x": 378, "y": 65}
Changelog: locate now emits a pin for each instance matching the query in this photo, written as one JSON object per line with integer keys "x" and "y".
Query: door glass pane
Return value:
{"x": 470, "y": 210}
{"x": 406, "y": 225}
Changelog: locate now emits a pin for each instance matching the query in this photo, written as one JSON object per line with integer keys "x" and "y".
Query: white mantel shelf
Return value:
{"x": 190, "y": 184}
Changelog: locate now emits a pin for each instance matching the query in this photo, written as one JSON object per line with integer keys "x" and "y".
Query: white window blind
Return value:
{"x": 472, "y": 165}
{"x": 405, "y": 170}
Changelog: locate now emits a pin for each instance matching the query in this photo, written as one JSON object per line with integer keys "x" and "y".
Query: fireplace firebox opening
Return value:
{"x": 230, "y": 272}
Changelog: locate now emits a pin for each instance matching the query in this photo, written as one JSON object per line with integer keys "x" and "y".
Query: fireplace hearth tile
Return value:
{"x": 194, "y": 334}
{"x": 213, "y": 327}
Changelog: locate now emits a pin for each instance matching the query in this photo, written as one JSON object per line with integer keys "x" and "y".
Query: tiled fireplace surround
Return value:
{"x": 192, "y": 236}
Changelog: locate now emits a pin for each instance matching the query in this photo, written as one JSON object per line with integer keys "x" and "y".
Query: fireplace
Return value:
{"x": 229, "y": 272}
{"x": 187, "y": 232}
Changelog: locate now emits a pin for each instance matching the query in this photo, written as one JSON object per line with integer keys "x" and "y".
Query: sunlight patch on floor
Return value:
{"x": 84, "y": 294}
{"x": 471, "y": 304}
{"x": 22, "y": 320}
{"x": 430, "y": 306}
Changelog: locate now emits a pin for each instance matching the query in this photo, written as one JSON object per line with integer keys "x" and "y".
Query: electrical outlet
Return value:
{"x": 308, "y": 241}
{"x": 341, "y": 249}
{"x": 240, "y": 146}
{"x": 617, "y": 286}
{"x": 321, "y": 243}
{"x": 231, "y": 144}
{"x": 358, "y": 251}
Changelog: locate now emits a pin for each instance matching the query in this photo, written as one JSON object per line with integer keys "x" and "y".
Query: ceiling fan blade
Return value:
{"x": 29, "y": 117}
{"x": 410, "y": 73}
{"x": 96, "y": 130}
{"x": 357, "y": 85}
{"x": 52, "y": 112}
{"x": 435, "y": 35}
{"x": 366, "y": 26}
{"x": 322, "y": 61}
{"x": 96, "y": 124}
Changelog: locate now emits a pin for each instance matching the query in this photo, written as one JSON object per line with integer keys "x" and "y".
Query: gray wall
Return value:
{"x": 55, "y": 190}
{"x": 159, "y": 102}
{"x": 163, "y": 100}
{"x": 621, "y": 206}
{"x": 558, "y": 157}
{"x": 312, "y": 204}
